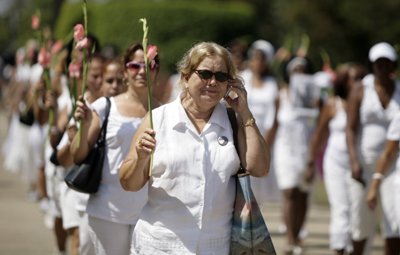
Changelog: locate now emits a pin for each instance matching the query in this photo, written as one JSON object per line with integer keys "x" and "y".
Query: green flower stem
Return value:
{"x": 146, "y": 61}
{"x": 29, "y": 104}
{"x": 85, "y": 69}
{"x": 46, "y": 74}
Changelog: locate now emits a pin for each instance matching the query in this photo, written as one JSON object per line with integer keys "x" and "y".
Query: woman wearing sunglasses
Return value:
{"x": 191, "y": 188}
{"x": 113, "y": 213}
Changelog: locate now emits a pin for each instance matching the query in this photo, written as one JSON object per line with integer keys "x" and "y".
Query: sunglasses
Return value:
{"x": 135, "y": 66}
{"x": 206, "y": 74}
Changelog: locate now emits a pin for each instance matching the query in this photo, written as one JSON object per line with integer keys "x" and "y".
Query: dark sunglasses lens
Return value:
{"x": 222, "y": 77}
{"x": 205, "y": 74}
{"x": 134, "y": 66}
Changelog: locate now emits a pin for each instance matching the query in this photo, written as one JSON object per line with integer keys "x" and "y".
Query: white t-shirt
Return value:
{"x": 393, "y": 134}
{"x": 261, "y": 100}
{"x": 111, "y": 202}
{"x": 191, "y": 190}
{"x": 374, "y": 121}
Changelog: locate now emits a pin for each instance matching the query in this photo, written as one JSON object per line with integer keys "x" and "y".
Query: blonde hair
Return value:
{"x": 195, "y": 55}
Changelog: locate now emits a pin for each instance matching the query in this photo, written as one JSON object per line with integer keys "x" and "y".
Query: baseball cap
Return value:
{"x": 382, "y": 50}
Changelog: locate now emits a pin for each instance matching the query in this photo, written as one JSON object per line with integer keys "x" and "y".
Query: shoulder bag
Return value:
{"x": 86, "y": 177}
{"x": 250, "y": 235}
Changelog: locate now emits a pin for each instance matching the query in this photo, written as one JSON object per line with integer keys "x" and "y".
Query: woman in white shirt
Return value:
{"x": 331, "y": 127}
{"x": 191, "y": 189}
{"x": 372, "y": 105}
{"x": 113, "y": 213}
{"x": 262, "y": 90}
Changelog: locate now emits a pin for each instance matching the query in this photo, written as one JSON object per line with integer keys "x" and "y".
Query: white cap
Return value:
{"x": 265, "y": 47}
{"x": 382, "y": 50}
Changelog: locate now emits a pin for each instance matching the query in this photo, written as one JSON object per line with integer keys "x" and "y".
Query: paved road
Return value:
{"x": 22, "y": 230}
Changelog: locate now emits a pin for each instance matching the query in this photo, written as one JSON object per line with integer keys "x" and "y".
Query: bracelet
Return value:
{"x": 252, "y": 122}
{"x": 378, "y": 176}
{"x": 54, "y": 130}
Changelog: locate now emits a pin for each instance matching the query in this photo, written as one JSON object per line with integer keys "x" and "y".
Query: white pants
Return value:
{"x": 110, "y": 237}
{"x": 69, "y": 213}
{"x": 396, "y": 189}
{"x": 85, "y": 244}
{"x": 336, "y": 179}
{"x": 362, "y": 218}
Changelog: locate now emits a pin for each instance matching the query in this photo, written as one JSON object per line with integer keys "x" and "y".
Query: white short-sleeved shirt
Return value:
{"x": 191, "y": 190}
{"x": 111, "y": 202}
{"x": 374, "y": 120}
{"x": 393, "y": 134}
{"x": 261, "y": 100}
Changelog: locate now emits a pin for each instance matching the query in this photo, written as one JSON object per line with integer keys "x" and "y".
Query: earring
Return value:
{"x": 125, "y": 81}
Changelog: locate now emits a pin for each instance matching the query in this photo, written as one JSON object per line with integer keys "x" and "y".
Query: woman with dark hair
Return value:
{"x": 293, "y": 126}
{"x": 113, "y": 213}
{"x": 373, "y": 103}
{"x": 262, "y": 90}
{"x": 332, "y": 123}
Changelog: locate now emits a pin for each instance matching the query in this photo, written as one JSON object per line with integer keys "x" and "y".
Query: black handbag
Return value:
{"x": 86, "y": 177}
{"x": 250, "y": 234}
{"x": 28, "y": 118}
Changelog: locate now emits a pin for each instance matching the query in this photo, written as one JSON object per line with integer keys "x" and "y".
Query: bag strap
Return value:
{"x": 102, "y": 135}
{"x": 232, "y": 119}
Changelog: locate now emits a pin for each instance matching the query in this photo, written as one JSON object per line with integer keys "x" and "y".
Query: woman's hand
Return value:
{"x": 372, "y": 197}
{"x": 356, "y": 173}
{"x": 309, "y": 174}
{"x": 71, "y": 131}
{"x": 145, "y": 143}
{"x": 239, "y": 104}
{"x": 51, "y": 100}
{"x": 83, "y": 112}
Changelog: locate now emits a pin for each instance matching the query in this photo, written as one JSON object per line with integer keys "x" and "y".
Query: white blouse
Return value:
{"x": 191, "y": 190}
{"x": 374, "y": 120}
{"x": 111, "y": 202}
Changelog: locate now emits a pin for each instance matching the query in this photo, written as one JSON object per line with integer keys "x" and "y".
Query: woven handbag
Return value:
{"x": 250, "y": 235}
{"x": 86, "y": 177}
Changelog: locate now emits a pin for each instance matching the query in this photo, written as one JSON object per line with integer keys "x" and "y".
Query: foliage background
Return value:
{"x": 346, "y": 29}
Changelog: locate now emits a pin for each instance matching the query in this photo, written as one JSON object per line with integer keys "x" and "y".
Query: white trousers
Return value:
{"x": 86, "y": 246}
{"x": 110, "y": 237}
{"x": 362, "y": 218}
{"x": 396, "y": 188}
{"x": 69, "y": 213}
{"x": 336, "y": 179}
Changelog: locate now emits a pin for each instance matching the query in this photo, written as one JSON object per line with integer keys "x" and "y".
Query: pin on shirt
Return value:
{"x": 222, "y": 140}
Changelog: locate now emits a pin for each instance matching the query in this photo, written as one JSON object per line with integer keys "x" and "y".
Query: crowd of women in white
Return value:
{"x": 353, "y": 126}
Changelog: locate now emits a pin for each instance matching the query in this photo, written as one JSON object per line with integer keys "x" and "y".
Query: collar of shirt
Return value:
{"x": 182, "y": 117}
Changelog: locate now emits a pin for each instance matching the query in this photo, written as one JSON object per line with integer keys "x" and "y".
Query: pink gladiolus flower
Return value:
{"x": 151, "y": 52}
{"x": 57, "y": 47}
{"x": 74, "y": 70}
{"x": 81, "y": 44}
{"x": 44, "y": 58}
{"x": 79, "y": 33}
{"x": 35, "y": 22}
